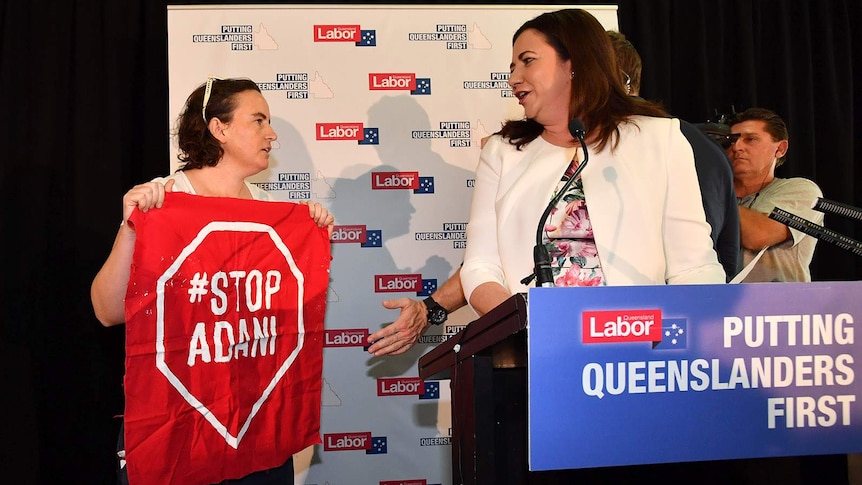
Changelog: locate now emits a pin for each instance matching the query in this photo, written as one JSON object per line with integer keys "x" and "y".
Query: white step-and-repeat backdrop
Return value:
{"x": 379, "y": 113}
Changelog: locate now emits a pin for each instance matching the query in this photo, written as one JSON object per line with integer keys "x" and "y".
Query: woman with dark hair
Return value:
{"x": 646, "y": 223}
{"x": 225, "y": 135}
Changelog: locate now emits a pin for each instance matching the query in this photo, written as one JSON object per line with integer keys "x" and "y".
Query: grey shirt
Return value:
{"x": 789, "y": 259}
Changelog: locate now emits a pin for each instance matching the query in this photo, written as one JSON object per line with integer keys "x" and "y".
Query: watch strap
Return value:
{"x": 436, "y": 313}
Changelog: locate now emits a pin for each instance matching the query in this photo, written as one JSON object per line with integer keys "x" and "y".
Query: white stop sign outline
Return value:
{"x": 226, "y": 226}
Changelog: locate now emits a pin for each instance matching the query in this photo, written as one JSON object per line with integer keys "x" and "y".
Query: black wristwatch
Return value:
{"x": 436, "y": 313}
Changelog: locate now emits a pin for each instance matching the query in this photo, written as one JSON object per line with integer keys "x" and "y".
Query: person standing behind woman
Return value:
{"x": 760, "y": 143}
{"x": 225, "y": 135}
{"x": 646, "y": 223}
{"x": 714, "y": 173}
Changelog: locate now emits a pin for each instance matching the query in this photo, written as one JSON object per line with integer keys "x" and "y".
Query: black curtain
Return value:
{"x": 798, "y": 58}
{"x": 84, "y": 97}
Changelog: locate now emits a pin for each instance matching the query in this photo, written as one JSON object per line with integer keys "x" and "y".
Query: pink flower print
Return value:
{"x": 573, "y": 206}
{"x": 577, "y": 220}
{"x": 570, "y": 278}
{"x": 588, "y": 251}
{"x": 563, "y": 246}
{"x": 594, "y": 281}
{"x": 548, "y": 226}
{"x": 575, "y": 276}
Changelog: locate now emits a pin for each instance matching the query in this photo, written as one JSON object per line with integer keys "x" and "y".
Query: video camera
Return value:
{"x": 717, "y": 128}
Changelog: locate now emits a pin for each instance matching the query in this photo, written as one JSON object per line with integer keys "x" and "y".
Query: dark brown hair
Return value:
{"x": 198, "y": 148}
{"x": 628, "y": 59}
{"x": 598, "y": 96}
{"x": 774, "y": 125}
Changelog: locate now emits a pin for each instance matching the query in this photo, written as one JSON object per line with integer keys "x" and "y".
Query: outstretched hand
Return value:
{"x": 404, "y": 332}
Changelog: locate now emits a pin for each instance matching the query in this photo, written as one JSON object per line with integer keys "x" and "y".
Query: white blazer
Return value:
{"x": 643, "y": 200}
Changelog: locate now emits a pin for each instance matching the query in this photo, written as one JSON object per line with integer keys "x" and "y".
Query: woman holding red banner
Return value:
{"x": 225, "y": 135}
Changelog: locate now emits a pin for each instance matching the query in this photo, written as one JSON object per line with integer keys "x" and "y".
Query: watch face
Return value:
{"x": 437, "y": 315}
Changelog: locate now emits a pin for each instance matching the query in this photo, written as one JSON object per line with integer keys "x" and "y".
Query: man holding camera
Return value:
{"x": 759, "y": 142}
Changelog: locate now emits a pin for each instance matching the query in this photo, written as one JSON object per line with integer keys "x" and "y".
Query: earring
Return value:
{"x": 573, "y": 74}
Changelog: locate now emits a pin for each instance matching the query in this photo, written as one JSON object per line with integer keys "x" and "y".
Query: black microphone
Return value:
{"x": 579, "y": 131}
{"x": 541, "y": 259}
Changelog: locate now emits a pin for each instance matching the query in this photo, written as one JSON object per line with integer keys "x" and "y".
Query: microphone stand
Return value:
{"x": 816, "y": 230}
{"x": 541, "y": 259}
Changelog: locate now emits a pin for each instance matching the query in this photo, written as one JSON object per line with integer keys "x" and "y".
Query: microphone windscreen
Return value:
{"x": 577, "y": 128}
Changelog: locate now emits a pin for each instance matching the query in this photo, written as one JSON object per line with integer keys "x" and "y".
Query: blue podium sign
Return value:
{"x": 660, "y": 374}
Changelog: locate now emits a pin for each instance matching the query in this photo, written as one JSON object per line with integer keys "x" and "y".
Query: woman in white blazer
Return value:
{"x": 631, "y": 216}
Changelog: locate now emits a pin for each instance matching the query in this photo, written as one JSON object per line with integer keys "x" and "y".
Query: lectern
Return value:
{"x": 683, "y": 384}
{"x": 486, "y": 362}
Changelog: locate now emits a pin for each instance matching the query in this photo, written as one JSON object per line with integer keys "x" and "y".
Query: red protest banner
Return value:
{"x": 224, "y": 337}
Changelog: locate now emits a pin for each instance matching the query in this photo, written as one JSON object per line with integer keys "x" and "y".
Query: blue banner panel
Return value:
{"x": 660, "y": 374}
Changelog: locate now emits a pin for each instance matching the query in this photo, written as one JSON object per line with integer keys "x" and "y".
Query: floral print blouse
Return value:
{"x": 570, "y": 241}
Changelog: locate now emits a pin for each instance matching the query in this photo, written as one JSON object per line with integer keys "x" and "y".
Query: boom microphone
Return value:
{"x": 541, "y": 259}
{"x": 579, "y": 131}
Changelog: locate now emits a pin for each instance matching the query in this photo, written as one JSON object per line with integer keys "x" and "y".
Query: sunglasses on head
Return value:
{"x": 207, "y": 92}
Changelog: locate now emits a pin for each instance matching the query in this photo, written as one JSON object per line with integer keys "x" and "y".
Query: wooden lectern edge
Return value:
{"x": 505, "y": 319}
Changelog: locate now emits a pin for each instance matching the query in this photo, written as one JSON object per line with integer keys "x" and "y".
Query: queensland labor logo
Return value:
{"x": 229, "y": 322}
{"x": 399, "y": 81}
{"x": 615, "y": 326}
